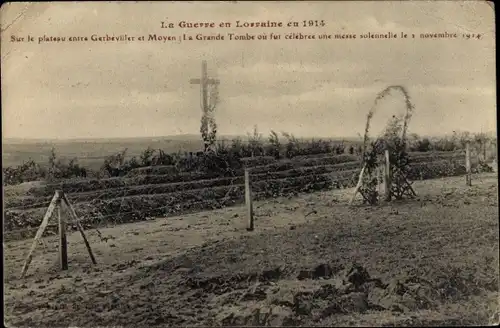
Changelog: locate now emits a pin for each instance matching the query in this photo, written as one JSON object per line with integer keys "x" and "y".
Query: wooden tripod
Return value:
{"x": 58, "y": 200}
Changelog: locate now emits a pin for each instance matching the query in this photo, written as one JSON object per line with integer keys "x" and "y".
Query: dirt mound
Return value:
{"x": 289, "y": 295}
{"x": 404, "y": 294}
{"x": 314, "y": 295}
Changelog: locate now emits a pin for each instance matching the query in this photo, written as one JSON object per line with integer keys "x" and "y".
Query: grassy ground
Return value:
{"x": 312, "y": 260}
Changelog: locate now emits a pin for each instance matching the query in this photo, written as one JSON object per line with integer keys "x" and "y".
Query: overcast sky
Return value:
{"x": 309, "y": 87}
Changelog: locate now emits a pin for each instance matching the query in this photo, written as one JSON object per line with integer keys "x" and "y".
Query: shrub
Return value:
{"x": 444, "y": 144}
{"x": 315, "y": 147}
{"x": 256, "y": 143}
{"x": 60, "y": 170}
{"x": 424, "y": 145}
{"x": 162, "y": 158}
{"x": 28, "y": 171}
{"x": 114, "y": 165}
{"x": 437, "y": 169}
{"x": 147, "y": 157}
{"x": 274, "y": 147}
{"x": 339, "y": 149}
{"x": 292, "y": 147}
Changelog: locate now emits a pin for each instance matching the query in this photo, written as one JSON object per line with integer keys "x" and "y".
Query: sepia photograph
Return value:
{"x": 253, "y": 163}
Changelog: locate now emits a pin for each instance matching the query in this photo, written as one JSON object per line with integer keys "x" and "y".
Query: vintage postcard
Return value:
{"x": 256, "y": 163}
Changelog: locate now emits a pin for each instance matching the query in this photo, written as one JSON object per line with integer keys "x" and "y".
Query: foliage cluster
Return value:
{"x": 54, "y": 170}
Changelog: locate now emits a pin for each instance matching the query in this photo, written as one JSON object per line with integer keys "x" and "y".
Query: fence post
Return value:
{"x": 379, "y": 185}
{"x": 387, "y": 176}
{"x": 248, "y": 200}
{"x": 468, "y": 178}
{"x": 63, "y": 243}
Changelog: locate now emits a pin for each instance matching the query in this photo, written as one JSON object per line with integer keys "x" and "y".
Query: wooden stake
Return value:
{"x": 248, "y": 200}
{"x": 39, "y": 233}
{"x": 63, "y": 243}
{"x": 78, "y": 225}
{"x": 360, "y": 180}
{"x": 387, "y": 177}
{"x": 379, "y": 186}
{"x": 468, "y": 177}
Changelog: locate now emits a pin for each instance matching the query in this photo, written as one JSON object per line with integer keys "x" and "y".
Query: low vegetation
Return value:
{"x": 226, "y": 157}
{"x": 156, "y": 183}
{"x": 138, "y": 202}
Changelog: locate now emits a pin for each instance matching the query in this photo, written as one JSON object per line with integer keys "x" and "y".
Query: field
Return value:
{"x": 172, "y": 248}
{"x": 136, "y": 197}
{"x": 312, "y": 260}
{"x": 90, "y": 153}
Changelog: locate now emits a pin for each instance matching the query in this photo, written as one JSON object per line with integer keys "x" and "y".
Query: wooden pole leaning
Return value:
{"x": 45, "y": 221}
{"x": 79, "y": 226}
{"x": 360, "y": 180}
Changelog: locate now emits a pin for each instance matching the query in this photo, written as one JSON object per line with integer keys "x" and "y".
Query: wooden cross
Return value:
{"x": 204, "y": 82}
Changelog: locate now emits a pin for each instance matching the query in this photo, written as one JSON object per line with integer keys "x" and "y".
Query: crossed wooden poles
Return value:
{"x": 387, "y": 178}
{"x": 407, "y": 188}
{"x": 58, "y": 200}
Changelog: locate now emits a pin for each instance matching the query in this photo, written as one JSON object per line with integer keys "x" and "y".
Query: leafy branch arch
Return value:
{"x": 393, "y": 140}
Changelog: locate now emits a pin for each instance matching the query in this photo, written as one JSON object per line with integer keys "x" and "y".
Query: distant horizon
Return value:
{"x": 189, "y": 136}
{"x": 196, "y": 136}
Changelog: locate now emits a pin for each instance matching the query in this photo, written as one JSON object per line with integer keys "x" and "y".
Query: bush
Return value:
{"x": 315, "y": 147}
{"x": 274, "y": 147}
{"x": 115, "y": 166}
{"x": 424, "y": 145}
{"x": 60, "y": 170}
{"x": 31, "y": 171}
{"x": 162, "y": 158}
{"x": 437, "y": 169}
{"x": 147, "y": 157}
{"x": 255, "y": 143}
{"x": 28, "y": 171}
{"x": 292, "y": 147}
